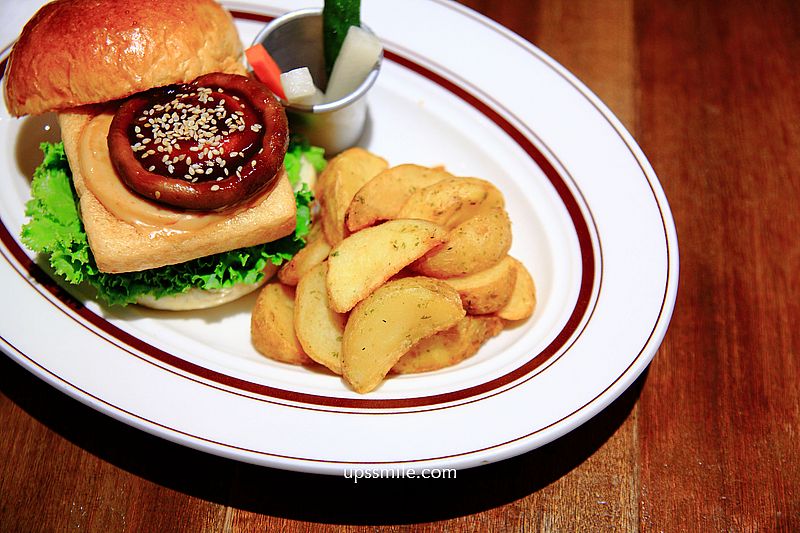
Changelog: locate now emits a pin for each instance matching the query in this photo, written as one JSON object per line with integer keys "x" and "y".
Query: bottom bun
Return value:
{"x": 204, "y": 299}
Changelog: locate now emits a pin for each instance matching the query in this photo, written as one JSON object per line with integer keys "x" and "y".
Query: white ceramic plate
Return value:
{"x": 590, "y": 222}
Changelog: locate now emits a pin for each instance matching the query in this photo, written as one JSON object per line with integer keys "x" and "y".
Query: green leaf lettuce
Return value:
{"x": 55, "y": 230}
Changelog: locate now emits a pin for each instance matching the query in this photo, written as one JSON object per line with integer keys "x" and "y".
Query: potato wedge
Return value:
{"x": 450, "y": 346}
{"x": 272, "y": 325}
{"x": 452, "y": 201}
{"x": 319, "y": 329}
{"x": 474, "y": 245}
{"x": 363, "y": 261}
{"x": 314, "y": 253}
{"x": 316, "y": 231}
{"x": 386, "y": 324}
{"x": 489, "y": 290}
{"x": 523, "y": 298}
{"x": 343, "y": 176}
{"x": 382, "y": 197}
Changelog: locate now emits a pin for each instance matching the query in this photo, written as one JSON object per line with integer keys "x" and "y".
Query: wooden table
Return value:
{"x": 707, "y": 440}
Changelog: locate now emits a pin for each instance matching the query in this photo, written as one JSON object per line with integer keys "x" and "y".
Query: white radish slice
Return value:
{"x": 298, "y": 85}
{"x": 360, "y": 51}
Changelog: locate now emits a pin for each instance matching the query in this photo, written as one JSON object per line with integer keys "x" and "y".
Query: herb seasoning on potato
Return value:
{"x": 407, "y": 270}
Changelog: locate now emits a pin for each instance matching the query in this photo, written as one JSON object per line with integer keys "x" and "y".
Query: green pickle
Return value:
{"x": 337, "y": 17}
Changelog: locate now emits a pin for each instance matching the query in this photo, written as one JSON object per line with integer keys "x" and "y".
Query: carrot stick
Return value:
{"x": 265, "y": 68}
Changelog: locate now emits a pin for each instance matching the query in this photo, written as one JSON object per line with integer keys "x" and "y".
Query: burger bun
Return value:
{"x": 78, "y": 52}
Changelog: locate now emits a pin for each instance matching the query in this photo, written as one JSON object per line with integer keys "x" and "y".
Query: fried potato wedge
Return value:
{"x": 386, "y": 324}
{"x": 523, "y": 298}
{"x": 363, "y": 261}
{"x": 382, "y": 197}
{"x": 474, "y": 245}
{"x": 314, "y": 253}
{"x": 319, "y": 329}
{"x": 450, "y": 346}
{"x": 489, "y": 290}
{"x": 343, "y": 176}
{"x": 452, "y": 201}
{"x": 316, "y": 231}
{"x": 272, "y": 325}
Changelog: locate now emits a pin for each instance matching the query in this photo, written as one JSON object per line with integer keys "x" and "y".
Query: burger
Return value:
{"x": 175, "y": 185}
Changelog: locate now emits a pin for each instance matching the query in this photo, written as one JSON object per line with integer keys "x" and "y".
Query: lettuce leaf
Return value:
{"x": 55, "y": 230}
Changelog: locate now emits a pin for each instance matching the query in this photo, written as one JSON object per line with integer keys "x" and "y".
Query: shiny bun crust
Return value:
{"x": 77, "y": 52}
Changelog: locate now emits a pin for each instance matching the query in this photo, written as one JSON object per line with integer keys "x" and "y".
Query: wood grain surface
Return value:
{"x": 706, "y": 440}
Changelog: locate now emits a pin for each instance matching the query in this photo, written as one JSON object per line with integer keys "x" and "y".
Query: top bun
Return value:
{"x": 77, "y": 52}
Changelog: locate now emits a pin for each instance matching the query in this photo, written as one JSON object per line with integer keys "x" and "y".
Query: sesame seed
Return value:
{"x": 215, "y": 187}
{"x": 152, "y": 168}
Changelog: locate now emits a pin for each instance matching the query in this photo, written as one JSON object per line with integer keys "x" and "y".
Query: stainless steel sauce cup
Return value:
{"x": 294, "y": 40}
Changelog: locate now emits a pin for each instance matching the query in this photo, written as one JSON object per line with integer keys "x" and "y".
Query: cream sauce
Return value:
{"x": 103, "y": 181}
